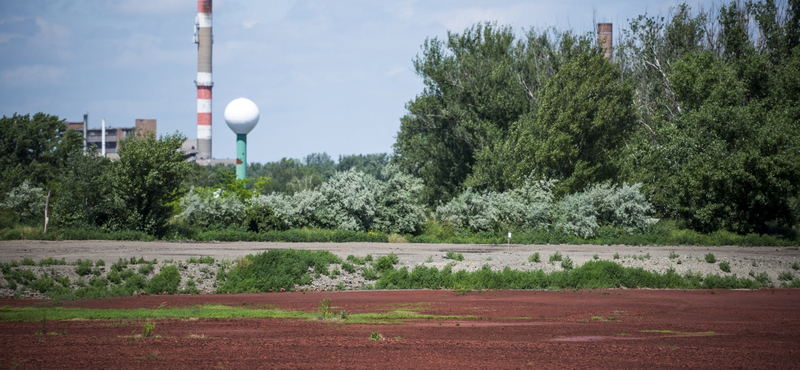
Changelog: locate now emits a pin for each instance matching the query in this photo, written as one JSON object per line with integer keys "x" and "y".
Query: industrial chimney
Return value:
{"x": 604, "y": 37}
{"x": 203, "y": 39}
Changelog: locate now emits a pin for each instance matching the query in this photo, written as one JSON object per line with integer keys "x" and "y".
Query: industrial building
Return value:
{"x": 93, "y": 137}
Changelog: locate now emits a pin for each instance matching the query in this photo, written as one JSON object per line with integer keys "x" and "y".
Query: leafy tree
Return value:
{"x": 34, "y": 148}
{"x": 146, "y": 179}
{"x": 84, "y": 192}
{"x": 585, "y": 114}
{"x": 371, "y": 164}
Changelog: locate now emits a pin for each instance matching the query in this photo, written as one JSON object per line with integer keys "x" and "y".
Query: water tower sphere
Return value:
{"x": 241, "y": 115}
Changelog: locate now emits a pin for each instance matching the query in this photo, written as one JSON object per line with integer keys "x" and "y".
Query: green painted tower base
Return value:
{"x": 241, "y": 156}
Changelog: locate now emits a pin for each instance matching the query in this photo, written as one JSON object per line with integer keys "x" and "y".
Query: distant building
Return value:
{"x": 190, "y": 148}
{"x": 94, "y": 136}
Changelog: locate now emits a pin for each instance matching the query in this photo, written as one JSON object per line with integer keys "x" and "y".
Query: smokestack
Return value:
{"x": 604, "y": 37}
{"x": 203, "y": 39}
{"x": 103, "y": 137}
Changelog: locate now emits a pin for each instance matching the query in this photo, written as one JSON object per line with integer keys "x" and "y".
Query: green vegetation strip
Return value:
{"x": 678, "y": 332}
{"x": 31, "y": 314}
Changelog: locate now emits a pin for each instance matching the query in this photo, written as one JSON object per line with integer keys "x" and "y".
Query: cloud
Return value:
{"x": 32, "y": 76}
{"x": 250, "y": 22}
{"x": 460, "y": 19}
{"x": 396, "y": 70}
{"x": 153, "y": 7}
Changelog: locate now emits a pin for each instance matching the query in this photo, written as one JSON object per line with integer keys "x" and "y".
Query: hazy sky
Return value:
{"x": 328, "y": 75}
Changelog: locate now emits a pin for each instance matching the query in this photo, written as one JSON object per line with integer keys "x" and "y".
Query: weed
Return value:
{"x": 347, "y": 266}
{"x": 340, "y": 286}
{"x": 534, "y": 257}
{"x": 207, "y": 260}
{"x": 28, "y": 262}
{"x": 375, "y": 336}
{"x": 152, "y": 356}
{"x": 785, "y": 276}
{"x": 336, "y": 272}
{"x": 795, "y": 266}
{"x": 368, "y": 258}
{"x": 616, "y": 256}
{"x": 324, "y": 309}
{"x": 673, "y": 255}
{"x": 84, "y": 267}
{"x": 429, "y": 259}
{"x": 755, "y": 264}
{"x": 454, "y": 256}
{"x": 566, "y": 264}
{"x": 710, "y": 258}
{"x": 725, "y": 266}
{"x": 555, "y": 257}
{"x": 147, "y": 329}
{"x": 369, "y": 274}
{"x": 100, "y": 263}
{"x": 50, "y": 261}
{"x": 146, "y": 269}
{"x": 595, "y": 257}
{"x": 356, "y": 260}
{"x": 385, "y": 262}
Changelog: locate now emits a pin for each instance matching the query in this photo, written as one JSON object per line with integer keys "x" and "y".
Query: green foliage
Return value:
{"x": 146, "y": 179}
{"x": 453, "y": 256}
{"x": 795, "y": 266}
{"x": 146, "y": 269}
{"x": 348, "y": 267}
{"x": 83, "y": 197}
{"x": 274, "y": 270}
{"x": 369, "y": 273}
{"x": 27, "y": 262}
{"x": 208, "y": 260}
{"x": 84, "y": 267}
{"x": 673, "y": 255}
{"x": 386, "y": 262}
{"x": 555, "y": 257}
{"x": 25, "y": 202}
{"x": 33, "y": 149}
{"x": 534, "y": 257}
{"x": 710, "y": 258}
{"x": 785, "y": 276}
{"x": 356, "y": 260}
{"x": 375, "y": 336}
{"x": 166, "y": 280}
{"x": 595, "y": 257}
{"x": 584, "y": 116}
{"x": 567, "y": 264}
{"x": 147, "y": 329}
{"x": 725, "y": 266}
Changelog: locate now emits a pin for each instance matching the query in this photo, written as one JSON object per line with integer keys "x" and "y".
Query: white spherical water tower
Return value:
{"x": 241, "y": 115}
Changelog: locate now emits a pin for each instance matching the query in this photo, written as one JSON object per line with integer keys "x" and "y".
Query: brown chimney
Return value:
{"x": 604, "y": 36}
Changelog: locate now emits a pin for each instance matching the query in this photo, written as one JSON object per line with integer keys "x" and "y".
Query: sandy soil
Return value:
{"x": 517, "y": 329}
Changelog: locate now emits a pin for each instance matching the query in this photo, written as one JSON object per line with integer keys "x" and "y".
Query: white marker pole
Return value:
{"x": 103, "y": 138}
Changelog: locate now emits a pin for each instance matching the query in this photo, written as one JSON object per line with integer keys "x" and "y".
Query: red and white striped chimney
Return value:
{"x": 203, "y": 39}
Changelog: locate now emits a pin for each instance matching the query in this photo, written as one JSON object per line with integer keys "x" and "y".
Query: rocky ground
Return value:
{"x": 743, "y": 261}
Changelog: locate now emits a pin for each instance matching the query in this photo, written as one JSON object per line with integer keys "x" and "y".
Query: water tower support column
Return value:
{"x": 241, "y": 156}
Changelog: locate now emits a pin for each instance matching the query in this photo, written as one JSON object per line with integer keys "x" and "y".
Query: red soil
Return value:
{"x": 518, "y": 329}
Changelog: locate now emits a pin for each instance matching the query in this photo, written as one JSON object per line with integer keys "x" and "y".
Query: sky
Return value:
{"x": 328, "y": 76}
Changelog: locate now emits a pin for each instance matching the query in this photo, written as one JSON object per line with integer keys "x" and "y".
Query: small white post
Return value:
{"x": 509, "y": 240}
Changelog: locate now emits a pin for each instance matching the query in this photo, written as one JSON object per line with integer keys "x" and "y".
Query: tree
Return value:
{"x": 146, "y": 179}
{"x": 585, "y": 115}
{"x": 83, "y": 195}
{"x": 34, "y": 148}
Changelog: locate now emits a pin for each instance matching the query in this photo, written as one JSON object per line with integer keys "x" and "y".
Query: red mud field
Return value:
{"x": 517, "y": 329}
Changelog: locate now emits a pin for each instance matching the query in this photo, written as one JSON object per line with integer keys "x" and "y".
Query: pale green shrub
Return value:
{"x": 25, "y": 201}
{"x": 214, "y": 209}
{"x": 575, "y": 214}
{"x": 624, "y": 207}
{"x": 399, "y": 208}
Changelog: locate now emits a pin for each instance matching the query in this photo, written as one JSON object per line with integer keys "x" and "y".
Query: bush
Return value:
{"x": 386, "y": 262}
{"x": 785, "y": 276}
{"x": 566, "y": 264}
{"x": 725, "y": 266}
{"x": 534, "y": 257}
{"x": 555, "y": 257}
{"x": 166, "y": 280}
{"x": 710, "y": 258}
{"x": 84, "y": 267}
{"x": 208, "y": 208}
{"x": 25, "y": 201}
{"x": 274, "y": 270}
{"x": 454, "y": 256}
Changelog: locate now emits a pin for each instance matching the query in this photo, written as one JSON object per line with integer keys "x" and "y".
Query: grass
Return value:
{"x": 207, "y": 260}
{"x": 673, "y": 255}
{"x": 725, "y": 266}
{"x": 710, "y": 258}
{"x": 147, "y": 329}
{"x": 210, "y": 311}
